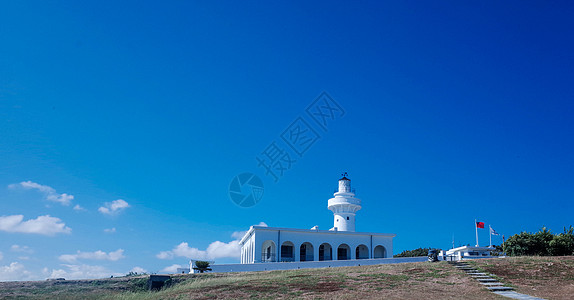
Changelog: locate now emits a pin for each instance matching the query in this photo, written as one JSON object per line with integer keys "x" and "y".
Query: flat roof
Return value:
{"x": 266, "y": 228}
{"x": 471, "y": 248}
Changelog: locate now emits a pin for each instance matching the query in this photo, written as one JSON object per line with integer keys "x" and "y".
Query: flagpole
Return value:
{"x": 476, "y": 229}
{"x": 490, "y": 235}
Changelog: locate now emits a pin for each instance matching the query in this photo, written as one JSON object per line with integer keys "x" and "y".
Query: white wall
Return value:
{"x": 253, "y": 243}
{"x": 312, "y": 264}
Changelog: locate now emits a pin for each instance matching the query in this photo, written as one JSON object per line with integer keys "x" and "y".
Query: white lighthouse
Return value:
{"x": 344, "y": 206}
{"x": 265, "y": 248}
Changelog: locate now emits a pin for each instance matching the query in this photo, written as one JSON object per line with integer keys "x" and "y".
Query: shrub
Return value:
{"x": 413, "y": 253}
{"x": 542, "y": 243}
{"x": 202, "y": 266}
{"x": 132, "y": 273}
{"x": 138, "y": 284}
{"x": 562, "y": 244}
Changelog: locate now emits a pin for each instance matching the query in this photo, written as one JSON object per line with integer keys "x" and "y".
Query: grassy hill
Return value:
{"x": 542, "y": 276}
{"x": 401, "y": 281}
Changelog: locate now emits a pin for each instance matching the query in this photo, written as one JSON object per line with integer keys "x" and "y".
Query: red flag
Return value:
{"x": 479, "y": 224}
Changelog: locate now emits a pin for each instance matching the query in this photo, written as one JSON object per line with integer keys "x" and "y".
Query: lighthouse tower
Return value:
{"x": 344, "y": 206}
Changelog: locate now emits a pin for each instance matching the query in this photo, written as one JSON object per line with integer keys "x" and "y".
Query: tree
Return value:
{"x": 527, "y": 243}
{"x": 413, "y": 253}
{"x": 498, "y": 250}
{"x": 563, "y": 244}
{"x": 202, "y": 266}
{"x": 542, "y": 243}
{"x": 518, "y": 244}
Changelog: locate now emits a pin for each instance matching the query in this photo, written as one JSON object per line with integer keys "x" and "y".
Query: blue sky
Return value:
{"x": 123, "y": 124}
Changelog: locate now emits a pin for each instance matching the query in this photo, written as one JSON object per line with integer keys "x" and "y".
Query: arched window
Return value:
{"x": 343, "y": 252}
{"x": 268, "y": 251}
{"x": 362, "y": 252}
{"x": 306, "y": 252}
{"x": 380, "y": 252}
{"x": 325, "y": 252}
{"x": 287, "y": 253}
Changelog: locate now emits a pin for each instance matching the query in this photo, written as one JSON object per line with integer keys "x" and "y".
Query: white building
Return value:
{"x": 466, "y": 252}
{"x": 263, "y": 244}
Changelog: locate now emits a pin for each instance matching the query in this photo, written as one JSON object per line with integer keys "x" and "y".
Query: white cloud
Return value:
{"x": 113, "y": 207}
{"x": 49, "y": 192}
{"x": 238, "y": 234}
{"x": 138, "y": 270}
{"x": 77, "y": 207}
{"x": 219, "y": 249}
{"x": 171, "y": 269}
{"x": 45, "y": 225}
{"x": 215, "y": 250}
{"x": 82, "y": 272}
{"x": 110, "y": 230}
{"x": 96, "y": 255}
{"x": 24, "y": 249}
{"x": 165, "y": 255}
{"x": 183, "y": 250}
{"x": 14, "y": 271}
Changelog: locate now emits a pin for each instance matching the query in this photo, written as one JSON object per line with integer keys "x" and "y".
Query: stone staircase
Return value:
{"x": 483, "y": 278}
{"x": 491, "y": 283}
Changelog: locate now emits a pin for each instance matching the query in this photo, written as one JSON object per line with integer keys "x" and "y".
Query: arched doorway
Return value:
{"x": 325, "y": 252}
{"x": 287, "y": 253}
{"x": 306, "y": 252}
{"x": 343, "y": 252}
{"x": 362, "y": 252}
{"x": 268, "y": 251}
{"x": 380, "y": 252}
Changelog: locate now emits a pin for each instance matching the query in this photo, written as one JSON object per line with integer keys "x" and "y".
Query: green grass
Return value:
{"x": 338, "y": 283}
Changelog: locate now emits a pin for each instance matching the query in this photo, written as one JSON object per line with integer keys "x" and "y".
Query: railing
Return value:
{"x": 353, "y": 190}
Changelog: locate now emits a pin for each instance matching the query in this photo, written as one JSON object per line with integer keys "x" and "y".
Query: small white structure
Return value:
{"x": 263, "y": 244}
{"x": 466, "y": 252}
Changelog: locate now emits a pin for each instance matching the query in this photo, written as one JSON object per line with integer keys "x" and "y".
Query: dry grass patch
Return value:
{"x": 401, "y": 281}
{"x": 542, "y": 276}
{"x": 397, "y": 281}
